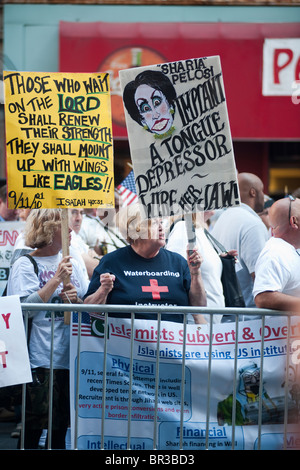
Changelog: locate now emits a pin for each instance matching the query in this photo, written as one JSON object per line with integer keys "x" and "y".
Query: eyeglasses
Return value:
{"x": 291, "y": 198}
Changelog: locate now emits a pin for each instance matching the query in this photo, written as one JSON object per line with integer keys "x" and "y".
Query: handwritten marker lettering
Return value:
{"x": 59, "y": 141}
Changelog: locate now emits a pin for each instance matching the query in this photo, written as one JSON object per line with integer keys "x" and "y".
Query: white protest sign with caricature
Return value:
{"x": 179, "y": 136}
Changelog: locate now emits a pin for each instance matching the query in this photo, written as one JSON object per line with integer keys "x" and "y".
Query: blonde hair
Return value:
{"x": 131, "y": 223}
{"x": 41, "y": 226}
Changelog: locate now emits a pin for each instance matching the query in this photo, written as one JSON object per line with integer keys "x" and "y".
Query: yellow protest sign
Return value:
{"x": 59, "y": 141}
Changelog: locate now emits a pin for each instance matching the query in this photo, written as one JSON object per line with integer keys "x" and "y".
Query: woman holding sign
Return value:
{"x": 144, "y": 273}
{"x": 40, "y": 279}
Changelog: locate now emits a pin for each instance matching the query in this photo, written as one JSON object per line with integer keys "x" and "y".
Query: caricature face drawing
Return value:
{"x": 154, "y": 109}
{"x": 149, "y": 100}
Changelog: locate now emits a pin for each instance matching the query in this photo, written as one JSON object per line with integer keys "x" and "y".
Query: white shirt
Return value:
{"x": 93, "y": 233}
{"x": 278, "y": 269}
{"x": 211, "y": 268}
{"x": 240, "y": 228}
{"x": 77, "y": 247}
{"x": 78, "y": 243}
{"x": 23, "y": 282}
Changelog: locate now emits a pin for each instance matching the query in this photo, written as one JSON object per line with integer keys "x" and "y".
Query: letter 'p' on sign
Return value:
{"x": 281, "y": 66}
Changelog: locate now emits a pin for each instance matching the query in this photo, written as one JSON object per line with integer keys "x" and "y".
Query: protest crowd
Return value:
{"x": 261, "y": 234}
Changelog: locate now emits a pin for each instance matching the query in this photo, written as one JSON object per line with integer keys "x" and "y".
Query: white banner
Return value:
{"x": 281, "y": 67}
{"x": 179, "y": 136}
{"x": 9, "y": 232}
{"x": 14, "y": 359}
{"x": 195, "y": 385}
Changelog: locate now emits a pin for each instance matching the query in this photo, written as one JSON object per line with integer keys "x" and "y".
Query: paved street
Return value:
{"x": 7, "y": 442}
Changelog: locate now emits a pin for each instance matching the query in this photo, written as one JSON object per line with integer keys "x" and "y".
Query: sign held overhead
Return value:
{"x": 179, "y": 137}
{"x": 59, "y": 141}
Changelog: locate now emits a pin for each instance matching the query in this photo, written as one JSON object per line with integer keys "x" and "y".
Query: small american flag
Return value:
{"x": 85, "y": 324}
{"x": 127, "y": 190}
{"x": 91, "y": 324}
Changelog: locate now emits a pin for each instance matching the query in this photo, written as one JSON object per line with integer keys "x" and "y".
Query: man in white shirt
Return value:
{"x": 242, "y": 229}
{"x": 98, "y": 233}
{"x": 277, "y": 280}
{"x": 92, "y": 232}
{"x": 78, "y": 247}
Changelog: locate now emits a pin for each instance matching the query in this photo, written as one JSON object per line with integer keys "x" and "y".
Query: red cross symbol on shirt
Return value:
{"x": 155, "y": 289}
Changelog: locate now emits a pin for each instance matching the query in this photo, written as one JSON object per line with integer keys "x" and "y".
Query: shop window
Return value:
{"x": 284, "y": 169}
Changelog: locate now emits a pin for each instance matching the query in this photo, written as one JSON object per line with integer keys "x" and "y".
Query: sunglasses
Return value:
{"x": 291, "y": 198}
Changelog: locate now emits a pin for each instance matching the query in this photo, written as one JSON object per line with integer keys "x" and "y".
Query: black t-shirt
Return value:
{"x": 162, "y": 280}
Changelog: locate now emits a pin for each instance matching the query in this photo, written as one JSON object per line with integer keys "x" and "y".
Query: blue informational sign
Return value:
{"x": 157, "y": 395}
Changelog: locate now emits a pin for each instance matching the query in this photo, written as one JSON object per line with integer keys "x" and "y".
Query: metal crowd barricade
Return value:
{"x": 106, "y": 309}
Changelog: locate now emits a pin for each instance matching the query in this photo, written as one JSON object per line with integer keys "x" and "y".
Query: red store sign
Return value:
{"x": 252, "y": 66}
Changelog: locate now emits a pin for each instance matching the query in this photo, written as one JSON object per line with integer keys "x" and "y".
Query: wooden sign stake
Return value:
{"x": 65, "y": 250}
{"x": 190, "y": 229}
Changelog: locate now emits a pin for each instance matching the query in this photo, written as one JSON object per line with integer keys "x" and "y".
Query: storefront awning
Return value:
{"x": 99, "y": 47}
